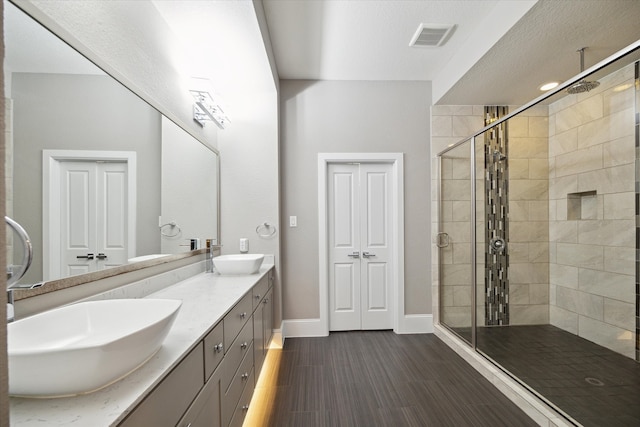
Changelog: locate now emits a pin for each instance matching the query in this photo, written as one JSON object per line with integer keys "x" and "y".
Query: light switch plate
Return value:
{"x": 293, "y": 221}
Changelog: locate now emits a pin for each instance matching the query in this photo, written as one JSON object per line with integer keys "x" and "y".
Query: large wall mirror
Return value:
{"x": 96, "y": 176}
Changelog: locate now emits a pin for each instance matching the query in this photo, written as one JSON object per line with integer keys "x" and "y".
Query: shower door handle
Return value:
{"x": 442, "y": 240}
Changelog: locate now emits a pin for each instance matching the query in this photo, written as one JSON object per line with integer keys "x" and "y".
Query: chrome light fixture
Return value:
{"x": 205, "y": 109}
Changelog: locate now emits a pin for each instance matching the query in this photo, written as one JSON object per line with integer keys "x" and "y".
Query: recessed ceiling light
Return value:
{"x": 622, "y": 87}
{"x": 548, "y": 86}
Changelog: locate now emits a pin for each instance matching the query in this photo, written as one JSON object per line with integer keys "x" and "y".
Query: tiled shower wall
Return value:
{"x": 592, "y": 213}
{"x": 528, "y": 217}
{"x": 528, "y": 207}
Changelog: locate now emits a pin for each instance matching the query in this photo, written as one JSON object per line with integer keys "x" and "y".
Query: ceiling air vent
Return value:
{"x": 431, "y": 35}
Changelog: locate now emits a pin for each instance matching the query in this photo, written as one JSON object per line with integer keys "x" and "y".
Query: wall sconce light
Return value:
{"x": 205, "y": 109}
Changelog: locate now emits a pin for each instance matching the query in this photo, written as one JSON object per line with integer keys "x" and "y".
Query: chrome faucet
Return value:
{"x": 10, "y": 297}
{"x": 211, "y": 247}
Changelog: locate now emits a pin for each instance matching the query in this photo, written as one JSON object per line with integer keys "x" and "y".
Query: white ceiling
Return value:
{"x": 223, "y": 42}
{"x": 365, "y": 40}
{"x": 29, "y": 47}
{"x": 500, "y": 53}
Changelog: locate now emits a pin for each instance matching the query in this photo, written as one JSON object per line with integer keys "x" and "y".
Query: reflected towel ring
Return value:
{"x": 263, "y": 230}
{"x": 172, "y": 224}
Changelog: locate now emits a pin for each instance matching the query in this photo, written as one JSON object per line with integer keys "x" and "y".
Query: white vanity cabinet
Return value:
{"x": 212, "y": 386}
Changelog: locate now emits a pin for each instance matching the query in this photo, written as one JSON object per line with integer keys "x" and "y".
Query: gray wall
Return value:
{"x": 249, "y": 180}
{"x": 79, "y": 112}
{"x": 189, "y": 189}
{"x": 351, "y": 116}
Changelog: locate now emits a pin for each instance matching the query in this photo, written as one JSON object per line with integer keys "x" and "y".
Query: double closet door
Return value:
{"x": 93, "y": 217}
{"x": 360, "y": 246}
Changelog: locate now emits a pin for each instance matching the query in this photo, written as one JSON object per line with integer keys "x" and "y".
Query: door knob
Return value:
{"x": 87, "y": 256}
{"x": 367, "y": 255}
{"x": 101, "y": 256}
{"x": 354, "y": 255}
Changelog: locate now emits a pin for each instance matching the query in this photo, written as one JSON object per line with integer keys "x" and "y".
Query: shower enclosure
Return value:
{"x": 537, "y": 241}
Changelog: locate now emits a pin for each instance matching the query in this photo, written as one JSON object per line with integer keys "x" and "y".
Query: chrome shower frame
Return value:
{"x": 472, "y": 138}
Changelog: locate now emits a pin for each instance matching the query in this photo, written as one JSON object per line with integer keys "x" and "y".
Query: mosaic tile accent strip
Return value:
{"x": 496, "y": 162}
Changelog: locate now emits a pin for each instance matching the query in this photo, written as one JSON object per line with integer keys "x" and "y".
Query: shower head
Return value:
{"x": 583, "y": 85}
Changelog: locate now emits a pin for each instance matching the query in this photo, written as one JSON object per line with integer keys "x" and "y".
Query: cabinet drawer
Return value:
{"x": 243, "y": 407}
{"x": 205, "y": 410}
{"x": 258, "y": 338}
{"x": 236, "y": 318}
{"x": 213, "y": 349}
{"x": 236, "y": 354}
{"x": 260, "y": 290}
{"x": 171, "y": 398}
{"x": 243, "y": 378}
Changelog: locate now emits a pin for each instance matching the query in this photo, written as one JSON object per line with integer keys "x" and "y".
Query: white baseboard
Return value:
{"x": 302, "y": 328}
{"x": 410, "y": 324}
{"x": 416, "y": 324}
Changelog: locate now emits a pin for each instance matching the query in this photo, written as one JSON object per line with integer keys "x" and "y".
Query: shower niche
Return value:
{"x": 583, "y": 205}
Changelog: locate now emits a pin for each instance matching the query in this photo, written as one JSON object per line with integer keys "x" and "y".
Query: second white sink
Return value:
{"x": 238, "y": 263}
{"x": 83, "y": 347}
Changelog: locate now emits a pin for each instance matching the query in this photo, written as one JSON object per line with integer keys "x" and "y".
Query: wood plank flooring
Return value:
{"x": 375, "y": 378}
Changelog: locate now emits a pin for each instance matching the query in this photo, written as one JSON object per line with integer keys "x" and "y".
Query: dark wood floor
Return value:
{"x": 376, "y": 379}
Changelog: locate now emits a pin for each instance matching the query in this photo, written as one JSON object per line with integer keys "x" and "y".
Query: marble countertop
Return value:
{"x": 206, "y": 298}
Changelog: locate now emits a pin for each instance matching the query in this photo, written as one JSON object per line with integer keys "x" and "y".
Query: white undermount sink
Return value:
{"x": 238, "y": 264}
{"x": 84, "y": 347}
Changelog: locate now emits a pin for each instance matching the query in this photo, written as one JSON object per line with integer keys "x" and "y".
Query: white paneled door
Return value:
{"x": 360, "y": 252}
{"x": 93, "y": 216}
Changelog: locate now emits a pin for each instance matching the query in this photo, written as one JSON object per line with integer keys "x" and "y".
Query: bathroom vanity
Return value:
{"x": 203, "y": 375}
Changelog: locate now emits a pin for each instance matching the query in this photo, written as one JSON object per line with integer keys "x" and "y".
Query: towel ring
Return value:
{"x": 172, "y": 224}
{"x": 263, "y": 230}
{"x": 27, "y": 253}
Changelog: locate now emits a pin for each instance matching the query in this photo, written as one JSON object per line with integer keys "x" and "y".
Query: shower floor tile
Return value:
{"x": 593, "y": 385}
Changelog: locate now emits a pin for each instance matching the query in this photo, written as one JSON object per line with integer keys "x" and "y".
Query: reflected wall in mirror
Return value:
{"x": 58, "y": 100}
{"x": 187, "y": 197}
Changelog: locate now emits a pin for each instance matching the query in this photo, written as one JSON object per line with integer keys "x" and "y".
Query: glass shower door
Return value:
{"x": 454, "y": 240}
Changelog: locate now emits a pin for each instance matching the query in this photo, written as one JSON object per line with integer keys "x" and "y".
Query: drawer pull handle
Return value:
{"x": 243, "y": 314}
{"x": 258, "y": 297}
{"x": 218, "y": 348}
{"x": 244, "y": 345}
{"x": 266, "y": 301}
{"x": 244, "y": 376}
{"x": 245, "y": 407}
